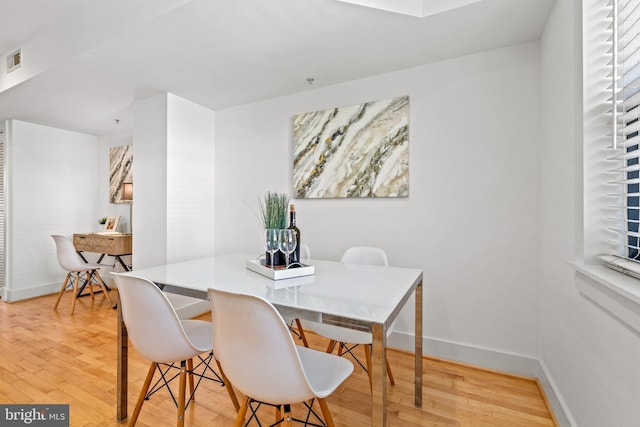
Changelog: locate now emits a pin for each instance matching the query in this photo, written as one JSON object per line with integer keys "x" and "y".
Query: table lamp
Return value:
{"x": 126, "y": 195}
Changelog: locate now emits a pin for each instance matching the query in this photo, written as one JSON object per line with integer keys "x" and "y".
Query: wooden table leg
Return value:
{"x": 418, "y": 350}
{"x": 378, "y": 377}
{"x": 122, "y": 365}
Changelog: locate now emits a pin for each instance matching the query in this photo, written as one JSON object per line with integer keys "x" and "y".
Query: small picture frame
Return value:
{"x": 111, "y": 224}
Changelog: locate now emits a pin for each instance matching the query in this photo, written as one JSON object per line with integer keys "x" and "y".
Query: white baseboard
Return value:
{"x": 10, "y": 295}
{"x": 554, "y": 397}
{"x": 491, "y": 359}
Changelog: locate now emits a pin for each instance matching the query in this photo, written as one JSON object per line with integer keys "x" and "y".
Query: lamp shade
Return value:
{"x": 126, "y": 192}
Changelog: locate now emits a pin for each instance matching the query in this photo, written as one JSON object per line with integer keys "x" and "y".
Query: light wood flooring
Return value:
{"x": 55, "y": 357}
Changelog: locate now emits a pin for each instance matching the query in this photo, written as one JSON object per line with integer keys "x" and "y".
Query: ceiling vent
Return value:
{"x": 14, "y": 60}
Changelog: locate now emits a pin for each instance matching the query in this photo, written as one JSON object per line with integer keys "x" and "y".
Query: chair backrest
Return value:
{"x": 68, "y": 258}
{"x": 365, "y": 255}
{"x": 255, "y": 349}
{"x": 152, "y": 323}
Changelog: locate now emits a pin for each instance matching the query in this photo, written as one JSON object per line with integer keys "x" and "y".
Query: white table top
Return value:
{"x": 368, "y": 294}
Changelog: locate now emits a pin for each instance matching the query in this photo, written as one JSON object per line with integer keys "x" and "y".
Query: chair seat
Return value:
{"x": 199, "y": 333}
{"x": 324, "y": 371}
{"x": 338, "y": 333}
{"x": 92, "y": 266}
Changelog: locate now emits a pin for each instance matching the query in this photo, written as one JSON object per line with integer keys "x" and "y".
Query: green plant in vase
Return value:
{"x": 102, "y": 221}
{"x": 273, "y": 214}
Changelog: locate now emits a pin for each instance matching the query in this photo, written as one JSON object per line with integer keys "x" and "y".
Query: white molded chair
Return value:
{"x": 75, "y": 266}
{"x": 254, "y": 347}
{"x": 159, "y": 335}
{"x": 345, "y": 336}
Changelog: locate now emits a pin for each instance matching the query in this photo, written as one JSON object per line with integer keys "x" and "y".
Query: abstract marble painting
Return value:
{"x": 355, "y": 151}
{"x": 120, "y": 162}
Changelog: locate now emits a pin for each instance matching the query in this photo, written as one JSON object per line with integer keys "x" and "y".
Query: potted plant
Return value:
{"x": 273, "y": 214}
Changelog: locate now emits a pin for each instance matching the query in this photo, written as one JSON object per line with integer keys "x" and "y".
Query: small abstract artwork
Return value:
{"x": 356, "y": 151}
{"x": 120, "y": 170}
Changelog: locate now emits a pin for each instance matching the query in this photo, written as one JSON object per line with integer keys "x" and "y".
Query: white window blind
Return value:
{"x": 624, "y": 196}
{"x": 2, "y": 215}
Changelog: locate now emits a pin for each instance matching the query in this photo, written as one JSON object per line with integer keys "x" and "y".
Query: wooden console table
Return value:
{"x": 115, "y": 245}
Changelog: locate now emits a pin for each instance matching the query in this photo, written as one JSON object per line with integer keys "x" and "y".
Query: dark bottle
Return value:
{"x": 295, "y": 255}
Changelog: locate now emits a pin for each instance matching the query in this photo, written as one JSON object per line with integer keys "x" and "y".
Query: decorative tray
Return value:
{"x": 258, "y": 265}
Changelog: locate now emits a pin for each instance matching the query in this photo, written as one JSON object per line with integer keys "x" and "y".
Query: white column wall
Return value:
{"x": 471, "y": 220}
{"x": 190, "y": 180}
{"x": 173, "y": 167}
{"x": 150, "y": 182}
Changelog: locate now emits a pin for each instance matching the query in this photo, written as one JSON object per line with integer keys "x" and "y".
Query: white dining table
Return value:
{"x": 366, "y": 298}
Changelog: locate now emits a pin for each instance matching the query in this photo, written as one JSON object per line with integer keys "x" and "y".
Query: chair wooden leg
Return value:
{"x": 331, "y": 346}
{"x": 75, "y": 292}
{"x": 143, "y": 393}
{"x": 105, "y": 291}
{"x": 229, "y": 387}
{"x": 301, "y": 332}
{"x": 328, "y": 420}
{"x": 288, "y": 418}
{"x": 340, "y": 348}
{"x": 242, "y": 412}
{"x": 367, "y": 355}
{"x": 391, "y": 380}
{"x": 62, "y": 288}
{"x": 90, "y": 283}
{"x": 181, "y": 393}
{"x": 190, "y": 372}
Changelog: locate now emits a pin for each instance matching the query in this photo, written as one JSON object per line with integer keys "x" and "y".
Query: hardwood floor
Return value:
{"x": 56, "y": 357}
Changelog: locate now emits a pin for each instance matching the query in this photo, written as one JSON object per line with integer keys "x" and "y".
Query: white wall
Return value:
{"x": 592, "y": 358}
{"x": 471, "y": 220}
{"x": 52, "y": 181}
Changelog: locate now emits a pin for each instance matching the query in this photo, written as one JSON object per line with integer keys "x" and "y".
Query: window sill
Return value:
{"x": 615, "y": 292}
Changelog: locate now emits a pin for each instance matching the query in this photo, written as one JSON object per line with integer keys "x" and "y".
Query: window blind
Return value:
{"x": 3, "y": 257}
{"x": 624, "y": 186}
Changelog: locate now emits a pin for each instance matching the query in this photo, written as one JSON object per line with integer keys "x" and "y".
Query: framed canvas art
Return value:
{"x": 120, "y": 170}
{"x": 354, "y": 152}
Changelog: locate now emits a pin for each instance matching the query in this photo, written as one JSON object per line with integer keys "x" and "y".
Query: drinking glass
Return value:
{"x": 287, "y": 243}
{"x": 271, "y": 243}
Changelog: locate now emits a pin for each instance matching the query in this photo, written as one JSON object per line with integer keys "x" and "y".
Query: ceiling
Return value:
{"x": 85, "y": 62}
